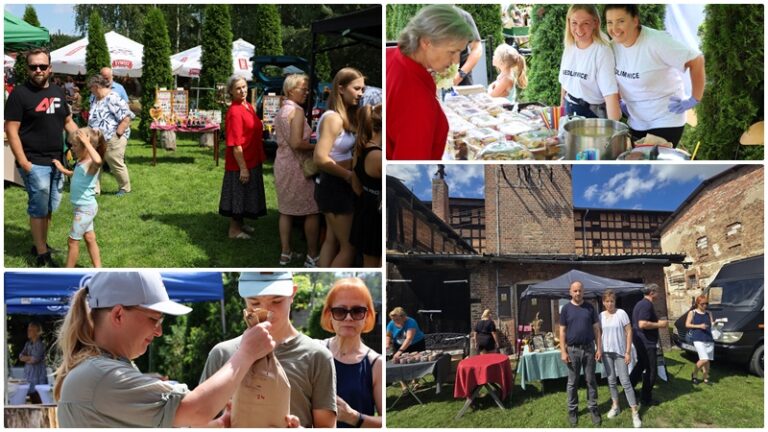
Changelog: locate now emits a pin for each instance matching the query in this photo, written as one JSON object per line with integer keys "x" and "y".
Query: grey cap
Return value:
{"x": 253, "y": 284}
{"x": 142, "y": 288}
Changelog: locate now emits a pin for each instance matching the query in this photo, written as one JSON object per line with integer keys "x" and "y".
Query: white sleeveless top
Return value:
{"x": 342, "y": 147}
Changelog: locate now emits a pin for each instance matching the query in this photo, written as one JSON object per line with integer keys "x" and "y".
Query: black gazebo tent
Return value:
{"x": 594, "y": 286}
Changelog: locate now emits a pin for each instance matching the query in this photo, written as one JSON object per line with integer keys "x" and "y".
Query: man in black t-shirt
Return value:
{"x": 580, "y": 347}
{"x": 36, "y": 113}
{"x": 645, "y": 335}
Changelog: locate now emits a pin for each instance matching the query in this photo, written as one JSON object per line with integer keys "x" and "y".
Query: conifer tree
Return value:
{"x": 156, "y": 71}
{"x": 216, "y": 59}
{"x": 96, "y": 54}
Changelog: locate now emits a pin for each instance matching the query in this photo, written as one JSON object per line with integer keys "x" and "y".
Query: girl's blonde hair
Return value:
{"x": 96, "y": 138}
{"x": 76, "y": 338}
{"x": 597, "y": 34}
{"x": 357, "y": 287}
{"x": 336, "y": 102}
{"x": 368, "y": 124}
{"x": 513, "y": 60}
{"x": 398, "y": 311}
{"x": 486, "y": 314}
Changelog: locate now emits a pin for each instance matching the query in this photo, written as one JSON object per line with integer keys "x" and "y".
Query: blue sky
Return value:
{"x": 55, "y": 17}
{"x": 636, "y": 186}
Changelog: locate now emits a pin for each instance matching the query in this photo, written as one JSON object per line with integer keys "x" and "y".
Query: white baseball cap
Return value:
{"x": 253, "y": 284}
{"x": 142, "y": 288}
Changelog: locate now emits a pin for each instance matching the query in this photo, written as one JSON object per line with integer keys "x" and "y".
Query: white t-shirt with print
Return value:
{"x": 588, "y": 73}
{"x": 649, "y": 73}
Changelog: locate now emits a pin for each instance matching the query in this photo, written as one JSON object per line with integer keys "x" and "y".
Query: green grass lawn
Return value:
{"x": 170, "y": 219}
{"x": 735, "y": 400}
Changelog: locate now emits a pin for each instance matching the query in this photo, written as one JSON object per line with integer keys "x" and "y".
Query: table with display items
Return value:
{"x": 407, "y": 373}
{"x": 211, "y": 127}
{"x": 485, "y": 371}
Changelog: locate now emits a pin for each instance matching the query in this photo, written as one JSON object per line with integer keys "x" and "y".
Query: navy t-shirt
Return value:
{"x": 644, "y": 312}
{"x": 42, "y": 112}
{"x": 578, "y": 321}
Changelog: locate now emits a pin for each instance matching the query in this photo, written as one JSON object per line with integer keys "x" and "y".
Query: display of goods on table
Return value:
{"x": 418, "y": 357}
{"x": 482, "y": 127}
{"x": 263, "y": 398}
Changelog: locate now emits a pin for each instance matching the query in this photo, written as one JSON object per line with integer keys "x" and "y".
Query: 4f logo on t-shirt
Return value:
{"x": 48, "y": 105}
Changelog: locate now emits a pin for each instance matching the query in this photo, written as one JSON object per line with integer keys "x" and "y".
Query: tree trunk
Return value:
{"x": 31, "y": 416}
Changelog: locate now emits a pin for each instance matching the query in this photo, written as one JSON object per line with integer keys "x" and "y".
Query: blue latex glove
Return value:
{"x": 678, "y": 106}
{"x": 623, "y": 108}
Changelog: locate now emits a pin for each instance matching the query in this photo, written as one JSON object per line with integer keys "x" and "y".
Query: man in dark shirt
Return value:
{"x": 579, "y": 333}
{"x": 36, "y": 113}
{"x": 645, "y": 335}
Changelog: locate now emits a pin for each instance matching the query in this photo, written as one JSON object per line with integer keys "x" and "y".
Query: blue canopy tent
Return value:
{"x": 594, "y": 286}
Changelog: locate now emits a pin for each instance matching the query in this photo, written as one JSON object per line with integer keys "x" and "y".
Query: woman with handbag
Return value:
{"x": 699, "y": 322}
{"x": 295, "y": 171}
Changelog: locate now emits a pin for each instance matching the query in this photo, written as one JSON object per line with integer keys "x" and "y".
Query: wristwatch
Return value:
{"x": 359, "y": 420}
{"x": 462, "y": 74}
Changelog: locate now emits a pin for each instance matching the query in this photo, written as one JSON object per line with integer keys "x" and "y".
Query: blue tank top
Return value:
{"x": 701, "y": 335}
{"x": 83, "y": 186}
{"x": 354, "y": 384}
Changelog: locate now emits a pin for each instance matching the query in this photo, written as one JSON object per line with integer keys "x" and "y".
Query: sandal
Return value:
{"x": 247, "y": 228}
{"x": 241, "y": 236}
{"x": 286, "y": 258}
{"x": 311, "y": 262}
{"x": 707, "y": 382}
{"x": 695, "y": 380}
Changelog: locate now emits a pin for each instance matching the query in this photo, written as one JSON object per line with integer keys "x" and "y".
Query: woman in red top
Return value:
{"x": 430, "y": 43}
{"x": 242, "y": 192}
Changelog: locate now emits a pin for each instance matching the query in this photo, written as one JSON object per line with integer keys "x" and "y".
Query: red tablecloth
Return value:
{"x": 172, "y": 127}
{"x": 483, "y": 369}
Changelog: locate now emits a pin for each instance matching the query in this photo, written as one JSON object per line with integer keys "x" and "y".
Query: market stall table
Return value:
{"x": 176, "y": 128}
{"x": 489, "y": 371}
{"x": 538, "y": 366}
{"x": 414, "y": 371}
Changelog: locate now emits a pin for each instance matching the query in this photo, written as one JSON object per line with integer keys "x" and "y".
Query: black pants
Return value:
{"x": 646, "y": 366}
{"x": 414, "y": 347}
{"x": 672, "y": 135}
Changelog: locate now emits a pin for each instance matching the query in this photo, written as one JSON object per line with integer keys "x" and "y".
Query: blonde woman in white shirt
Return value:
{"x": 588, "y": 83}
{"x": 617, "y": 354}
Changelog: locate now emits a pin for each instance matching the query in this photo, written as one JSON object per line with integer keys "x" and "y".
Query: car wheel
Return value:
{"x": 756, "y": 363}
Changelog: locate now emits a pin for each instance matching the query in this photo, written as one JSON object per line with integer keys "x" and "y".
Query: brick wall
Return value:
{"x": 535, "y": 209}
{"x": 440, "y": 199}
{"x": 724, "y": 223}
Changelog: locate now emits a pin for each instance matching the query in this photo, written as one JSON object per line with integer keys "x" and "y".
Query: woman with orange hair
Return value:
{"x": 699, "y": 322}
{"x": 348, "y": 312}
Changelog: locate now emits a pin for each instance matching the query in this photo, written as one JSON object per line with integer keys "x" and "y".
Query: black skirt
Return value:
{"x": 240, "y": 201}
{"x": 334, "y": 195}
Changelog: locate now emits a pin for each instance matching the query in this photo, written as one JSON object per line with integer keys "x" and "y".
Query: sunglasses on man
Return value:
{"x": 42, "y": 67}
{"x": 357, "y": 313}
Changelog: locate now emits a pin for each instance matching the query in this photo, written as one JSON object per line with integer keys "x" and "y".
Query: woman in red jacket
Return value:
{"x": 430, "y": 43}
{"x": 242, "y": 192}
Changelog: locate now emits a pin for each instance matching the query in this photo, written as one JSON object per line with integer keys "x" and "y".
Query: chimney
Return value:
{"x": 440, "y": 198}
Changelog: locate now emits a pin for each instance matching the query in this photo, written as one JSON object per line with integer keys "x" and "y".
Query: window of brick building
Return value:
{"x": 733, "y": 230}
{"x": 702, "y": 244}
{"x": 691, "y": 282}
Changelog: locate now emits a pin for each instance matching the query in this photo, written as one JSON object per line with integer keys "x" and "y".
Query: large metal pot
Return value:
{"x": 595, "y": 139}
{"x": 654, "y": 153}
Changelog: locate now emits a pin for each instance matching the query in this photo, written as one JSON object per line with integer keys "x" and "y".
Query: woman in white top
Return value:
{"x": 588, "y": 83}
{"x": 649, "y": 70}
{"x": 337, "y": 183}
{"x": 617, "y": 354}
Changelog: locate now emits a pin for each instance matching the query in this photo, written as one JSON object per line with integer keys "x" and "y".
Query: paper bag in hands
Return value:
{"x": 263, "y": 398}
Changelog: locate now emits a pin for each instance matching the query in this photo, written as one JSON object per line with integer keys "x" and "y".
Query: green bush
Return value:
{"x": 216, "y": 59}
{"x": 732, "y": 43}
{"x": 260, "y": 25}
{"x": 96, "y": 54}
{"x": 30, "y": 16}
{"x": 547, "y": 27}
{"x": 402, "y": 13}
{"x": 157, "y": 66}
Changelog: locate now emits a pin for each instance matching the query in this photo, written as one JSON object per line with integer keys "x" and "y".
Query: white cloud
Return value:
{"x": 461, "y": 178}
{"x": 622, "y": 186}
{"x": 590, "y": 192}
{"x": 595, "y": 168}
{"x": 408, "y": 174}
{"x": 685, "y": 173}
{"x": 637, "y": 207}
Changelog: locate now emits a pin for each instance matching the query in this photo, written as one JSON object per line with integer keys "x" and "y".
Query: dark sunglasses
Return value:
{"x": 357, "y": 313}
{"x": 42, "y": 67}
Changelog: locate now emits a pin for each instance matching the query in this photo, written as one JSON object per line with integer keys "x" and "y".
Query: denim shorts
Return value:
{"x": 82, "y": 222}
{"x": 44, "y": 184}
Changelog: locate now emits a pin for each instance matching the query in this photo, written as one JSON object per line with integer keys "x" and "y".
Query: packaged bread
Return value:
{"x": 538, "y": 139}
{"x": 263, "y": 398}
{"x": 482, "y": 136}
{"x": 514, "y": 127}
{"x": 507, "y": 150}
{"x": 485, "y": 121}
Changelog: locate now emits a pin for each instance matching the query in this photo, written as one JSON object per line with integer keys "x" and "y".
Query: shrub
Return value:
{"x": 96, "y": 54}
{"x": 216, "y": 59}
{"x": 157, "y": 66}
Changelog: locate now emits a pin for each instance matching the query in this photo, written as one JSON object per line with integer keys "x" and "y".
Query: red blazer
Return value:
{"x": 244, "y": 129}
{"x": 416, "y": 125}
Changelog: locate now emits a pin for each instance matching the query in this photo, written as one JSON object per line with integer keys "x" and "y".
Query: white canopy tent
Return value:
{"x": 9, "y": 61}
{"x": 125, "y": 56}
{"x": 187, "y": 63}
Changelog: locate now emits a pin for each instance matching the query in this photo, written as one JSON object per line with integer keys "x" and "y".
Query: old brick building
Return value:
{"x": 531, "y": 236}
{"x": 720, "y": 222}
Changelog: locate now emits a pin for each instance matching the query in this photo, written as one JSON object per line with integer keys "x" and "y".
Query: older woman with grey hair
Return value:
{"x": 295, "y": 191}
{"x": 430, "y": 43}
{"x": 242, "y": 191}
{"x": 110, "y": 114}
